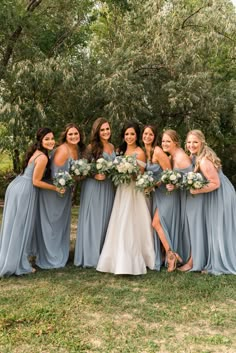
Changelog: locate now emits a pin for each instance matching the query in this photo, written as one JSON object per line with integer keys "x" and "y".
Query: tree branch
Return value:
{"x": 193, "y": 14}
{"x": 153, "y": 67}
{"x": 15, "y": 36}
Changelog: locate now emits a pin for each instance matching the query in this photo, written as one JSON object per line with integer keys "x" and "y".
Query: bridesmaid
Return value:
{"x": 54, "y": 213}
{"x": 219, "y": 209}
{"x": 96, "y": 200}
{"x": 128, "y": 247}
{"x": 20, "y": 207}
{"x": 181, "y": 163}
{"x": 164, "y": 221}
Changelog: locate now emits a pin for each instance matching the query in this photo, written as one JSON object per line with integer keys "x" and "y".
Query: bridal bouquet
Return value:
{"x": 62, "y": 180}
{"x": 80, "y": 167}
{"x": 123, "y": 169}
{"x": 171, "y": 177}
{"x": 146, "y": 182}
{"x": 192, "y": 180}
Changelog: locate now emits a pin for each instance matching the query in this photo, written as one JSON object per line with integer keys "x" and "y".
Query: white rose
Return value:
{"x": 62, "y": 181}
{"x": 173, "y": 177}
{"x": 163, "y": 178}
{"x": 99, "y": 166}
{"x": 100, "y": 160}
{"x": 80, "y": 162}
{"x": 190, "y": 175}
{"x": 197, "y": 185}
{"x": 199, "y": 176}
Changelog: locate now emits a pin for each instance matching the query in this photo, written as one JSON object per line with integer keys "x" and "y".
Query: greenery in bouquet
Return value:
{"x": 80, "y": 167}
{"x": 63, "y": 180}
{"x": 146, "y": 182}
{"x": 101, "y": 166}
{"x": 171, "y": 177}
{"x": 124, "y": 169}
{"x": 192, "y": 180}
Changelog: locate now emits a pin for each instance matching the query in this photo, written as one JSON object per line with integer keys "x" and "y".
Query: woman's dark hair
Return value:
{"x": 95, "y": 141}
{"x": 154, "y": 144}
{"x": 129, "y": 124}
{"x": 41, "y": 133}
{"x": 81, "y": 143}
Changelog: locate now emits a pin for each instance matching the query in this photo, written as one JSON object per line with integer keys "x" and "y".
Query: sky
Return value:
{"x": 234, "y": 2}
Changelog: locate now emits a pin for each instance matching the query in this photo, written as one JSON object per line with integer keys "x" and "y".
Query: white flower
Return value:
{"x": 99, "y": 166}
{"x": 199, "y": 176}
{"x": 173, "y": 177}
{"x": 197, "y": 185}
{"x": 62, "y": 181}
{"x": 190, "y": 175}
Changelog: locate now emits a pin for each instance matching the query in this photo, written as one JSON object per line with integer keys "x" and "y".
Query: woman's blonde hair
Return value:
{"x": 173, "y": 135}
{"x": 205, "y": 151}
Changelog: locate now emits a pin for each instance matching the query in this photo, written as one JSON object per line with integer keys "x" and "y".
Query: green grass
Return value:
{"x": 80, "y": 310}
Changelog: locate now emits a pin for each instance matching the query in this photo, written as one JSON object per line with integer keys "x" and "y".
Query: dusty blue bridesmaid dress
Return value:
{"x": 195, "y": 229}
{"x": 168, "y": 206}
{"x": 52, "y": 231}
{"x": 183, "y": 247}
{"x": 96, "y": 201}
{"x": 220, "y": 217}
{"x": 17, "y": 224}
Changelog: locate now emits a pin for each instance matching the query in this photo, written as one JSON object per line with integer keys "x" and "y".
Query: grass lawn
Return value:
{"x": 80, "y": 310}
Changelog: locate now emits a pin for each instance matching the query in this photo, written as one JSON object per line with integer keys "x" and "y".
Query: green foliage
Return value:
{"x": 169, "y": 62}
{"x": 5, "y": 178}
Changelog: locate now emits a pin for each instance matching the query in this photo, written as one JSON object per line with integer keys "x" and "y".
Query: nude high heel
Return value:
{"x": 172, "y": 259}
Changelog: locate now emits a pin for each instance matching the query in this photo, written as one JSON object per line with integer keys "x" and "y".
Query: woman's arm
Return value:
{"x": 211, "y": 174}
{"x": 161, "y": 158}
{"x": 61, "y": 155}
{"x": 140, "y": 155}
{"x": 39, "y": 168}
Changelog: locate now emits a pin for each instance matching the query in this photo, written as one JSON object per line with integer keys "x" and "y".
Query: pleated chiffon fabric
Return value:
{"x": 18, "y": 224}
{"x": 96, "y": 202}
{"x": 220, "y": 217}
{"x": 53, "y": 225}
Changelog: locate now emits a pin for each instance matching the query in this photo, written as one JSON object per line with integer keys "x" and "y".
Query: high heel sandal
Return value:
{"x": 172, "y": 259}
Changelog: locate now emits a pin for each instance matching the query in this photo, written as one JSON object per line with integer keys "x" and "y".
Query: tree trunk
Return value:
{"x": 16, "y": 161}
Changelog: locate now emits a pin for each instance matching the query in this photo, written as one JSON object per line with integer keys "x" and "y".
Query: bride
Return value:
{"x": 128, "y": 247}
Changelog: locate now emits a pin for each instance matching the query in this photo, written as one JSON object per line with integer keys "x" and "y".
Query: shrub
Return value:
{"x": 5, "y": 178}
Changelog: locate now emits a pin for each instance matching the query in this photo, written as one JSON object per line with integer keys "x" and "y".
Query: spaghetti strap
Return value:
{"x": 37, "y": 156}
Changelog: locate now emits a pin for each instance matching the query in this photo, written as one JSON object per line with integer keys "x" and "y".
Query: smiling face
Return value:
{"x": 167, "y": 143}
{"x": 130, "y": 136}
{"x": 48, "y": 142}
{"x": 193, "y": 144}
{"x": 105, "y": 132}
{"x": 148, "y": 136}
{"x": 73, "y": 136}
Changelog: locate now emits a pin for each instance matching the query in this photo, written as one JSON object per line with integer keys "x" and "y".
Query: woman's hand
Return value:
{"x": 170, "y": 187}
{"x": 100, "y": 176}
{"x": 60, "y": 190}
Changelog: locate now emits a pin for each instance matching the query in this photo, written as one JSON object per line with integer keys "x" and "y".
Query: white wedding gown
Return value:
{"x": 129, "y": 244}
